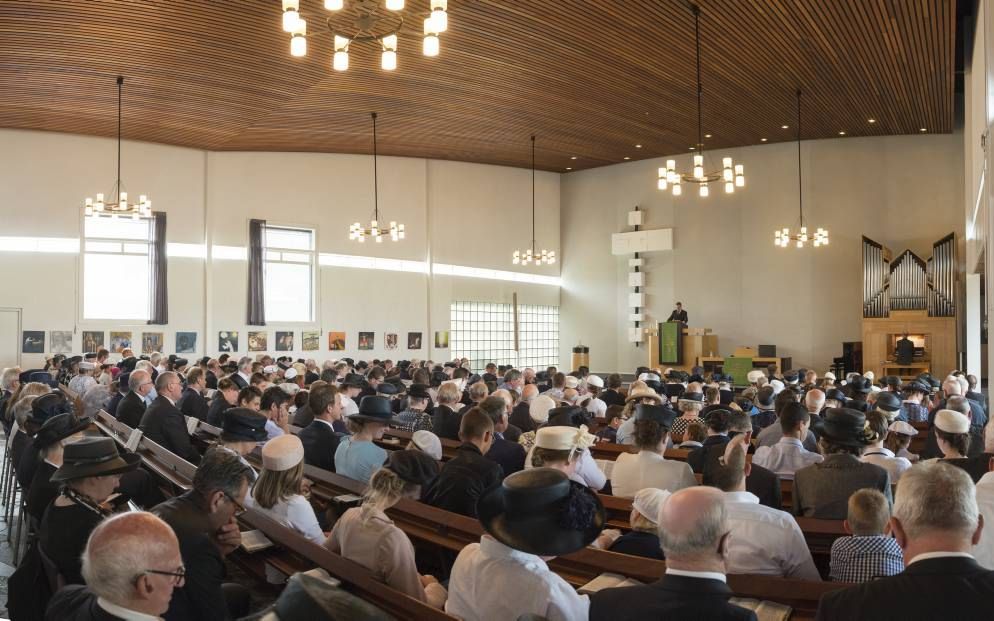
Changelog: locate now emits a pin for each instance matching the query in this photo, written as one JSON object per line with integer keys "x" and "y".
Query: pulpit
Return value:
{"x": 674, "y": 344}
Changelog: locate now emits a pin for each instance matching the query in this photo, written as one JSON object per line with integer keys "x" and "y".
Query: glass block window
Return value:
{"x": 484, "y": 332}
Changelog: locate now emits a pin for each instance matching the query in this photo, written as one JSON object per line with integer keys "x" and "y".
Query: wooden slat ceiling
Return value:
{"x": 592, "y": 78}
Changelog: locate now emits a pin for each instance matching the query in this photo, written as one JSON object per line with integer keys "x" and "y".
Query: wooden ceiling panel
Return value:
{"x": 592, "y": 78}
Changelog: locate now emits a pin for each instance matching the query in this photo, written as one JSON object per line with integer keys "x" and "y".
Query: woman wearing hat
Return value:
{"x": 876, "y": 453}
{"x": 952, "y": 434}
{"x": 594, "y": 404}
{"x": 822, "y": 490}
{"x": 899, "y": 437}
{"x": 49, "y": 443}
{"x": 357, "y": 456}
{"x": 648, "y": 468}
{"x": 638, "y": 393}
{"x": 561, "y": 448}
{"x": 90, "y": 472}
{"x": 367, "y": 536}
{"x": 915, "y": 393}
{"x": 643, "y": 538}
{"x": 242, "y": 431}
{"x": 416, "y": 416}
{"x": 533, "y": 516}
{"x": 690, "y": 404}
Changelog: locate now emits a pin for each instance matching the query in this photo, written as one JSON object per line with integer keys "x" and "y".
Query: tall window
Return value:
{"x": 289, "y": 273}
{"x": 484, "y": 332}
{"x": 117, "y": 268}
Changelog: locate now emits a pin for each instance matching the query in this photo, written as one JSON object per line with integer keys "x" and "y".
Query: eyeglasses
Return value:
{"x": 239, "y": 507}
{"x": 178, "y": 575}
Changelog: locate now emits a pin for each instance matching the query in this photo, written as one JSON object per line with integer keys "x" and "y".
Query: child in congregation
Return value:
{"x": 869, "y": 552}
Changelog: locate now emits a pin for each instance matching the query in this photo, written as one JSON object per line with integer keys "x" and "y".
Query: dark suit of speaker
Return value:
{"x": 671, "y": 597}
{"x": 937, "y": 588}
{"x": 164, "y": 424}
{"x": 131, "y": 409}
{"x": 320, "y": 442}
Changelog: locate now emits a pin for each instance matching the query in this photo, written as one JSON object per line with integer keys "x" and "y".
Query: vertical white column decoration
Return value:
{"x": 636, "y": 281}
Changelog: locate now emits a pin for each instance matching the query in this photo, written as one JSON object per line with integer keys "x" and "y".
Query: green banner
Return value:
{"x": 671, "y": 343}
{"x": 738, "y": 368}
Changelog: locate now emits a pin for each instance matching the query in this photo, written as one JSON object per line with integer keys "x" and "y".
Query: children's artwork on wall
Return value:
{"x": 414, "y": 340}
{"x": 258, "y": 341}
{"x": 284, "y": 341}
{"x": 311, "y": 340}
{"x": 227, "y": 341}
{"x": 119, "y": 341}
{"x": 336, "y": 341}
{"x": 186, "y": 342}
{"x": 390, "y": 340}
{"x": 33, "y": 342}
{"x": 61, "y": 342}
{"x": 92, "y": 340}
{"x": 366, "y": 340}
{"x": 152, "y": 342}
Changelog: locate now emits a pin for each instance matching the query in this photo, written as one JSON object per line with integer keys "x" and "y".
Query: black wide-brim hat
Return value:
{"x": 836, "y": 394}
{"x": 845, "y": 427}
{"x": 58, "y": 428}
{"x": 418, "y": 391}
{"x": 861, "y": 385}
{"x": 374, "y": 409}
{"x": 661, "y": 414}
{"x": 541, "y": 511}
{"x": 93, "y": 457}
{"x": 243, "y": 425}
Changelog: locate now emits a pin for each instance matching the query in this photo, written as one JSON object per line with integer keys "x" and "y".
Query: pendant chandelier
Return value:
{"x": 783, "y": 237}
{"x": 532, "y": 254}
{"x": 357, "y": 232}
{"x": 733, "y": 175}
{"x": 122, "y": 208}
{"x": 365, "y": 21}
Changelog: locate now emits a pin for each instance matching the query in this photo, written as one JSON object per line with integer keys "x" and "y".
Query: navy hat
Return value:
{"x": 860, "y": 385}
{"x": 658, "y": 413}
{"x": 542, "y": 376}
{"x": 243, "y": 425}
{"x": 180, "y": 362}
{"x": 790, "y": 377}
{"x": 413, "y": 466}
{"x": 57, "y": 428}
{"x": 438, "y": 377}
{"x": 92, "y": 355}
{"x": 654, "y": 385}
{"x": 888, "y": 402}
{"x": 836, "y": 394}
{"x": 696, "y": 397}
{"x": 49, "y": 405}
{"x": 374, "y": 409}
{"x": 696, "y": 377}
{"x": 387, "y": 388}
{"x": 917, "y": 386}
{"x": 891, "y": 380}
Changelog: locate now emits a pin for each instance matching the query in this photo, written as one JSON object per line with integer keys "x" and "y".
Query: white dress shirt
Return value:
{"x": 626, "y": 432}
{"x": 348, "y": 406}
{"x": 764, "y": 541}
{"x": 124, "y": 613}
{"x": 649, "y": 469}
{"x": 492, "y": 581}
{"x": 597, "y": 407}
{"x": 785, "y": 457}
{"x": 296, "y": 513}
{"x": 272, "y": 430}
{"x": 885, "y": 458}
{"x": 984, "y": 551}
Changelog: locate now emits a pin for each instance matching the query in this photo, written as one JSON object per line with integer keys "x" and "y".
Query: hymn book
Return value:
{"x": 607, "y": 581}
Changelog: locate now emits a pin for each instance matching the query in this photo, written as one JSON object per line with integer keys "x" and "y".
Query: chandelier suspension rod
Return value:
{"x": 800, "y": 190}
{"x": 700, "y": 112}
{"x": 376, "y": 195}
{"x": 533, "y": 193}
{"x": 120, "y": 86}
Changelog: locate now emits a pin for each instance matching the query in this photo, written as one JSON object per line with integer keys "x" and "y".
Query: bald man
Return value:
{"x": 520, "y": 417}
{"x": 131, "y": 565}
{"x": 693, "y": 532}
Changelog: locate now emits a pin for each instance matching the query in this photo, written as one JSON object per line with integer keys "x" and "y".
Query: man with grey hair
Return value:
{"x": 131, "y": 565}
{"x": 164, "y": 424}
{"x": 693, "y": 533}
{"x": 936, "y": 522}
{"x": 520, "y": 416}
{"x": 243, "y": 377}
{"x": 204, "y": 522}
{"x": 132, "y": 407}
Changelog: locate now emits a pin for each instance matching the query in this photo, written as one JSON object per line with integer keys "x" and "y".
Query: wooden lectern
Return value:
{"x": 694, "y": 344}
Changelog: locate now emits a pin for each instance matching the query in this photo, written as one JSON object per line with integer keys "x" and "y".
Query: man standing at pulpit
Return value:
{"x": 904, "y": 351}
{"x": 678, "y": 314}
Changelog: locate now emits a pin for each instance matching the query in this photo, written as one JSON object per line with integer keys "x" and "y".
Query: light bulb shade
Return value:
{"x": 671, "y": 165}
{"x": 704, "y": 192}
{"x": 698, "y": 161}
{"x": 395, "y": 5}
{"x": 661, "y": 183}
{"x": 298, "y": 46}
{"x": 340, "y": 61}
{"x": 290, "y": 19}
{"x": 440, "y": 4}
{"x": 740, "y": 181}
{"x": 739, "y": 169}
{"x": 726, "y": 162}
{"x": 729, "y": 187}
{"x": 334, "y": 5}
{"x": 430, "y": 26}
{"x": 388, "y": 60}
{"x": 699, "y": 172}
{"x": 727, "y": 175}
{"x": 389, "y": 42}
{"x": 341, "y": 44}
{"x": 291, "y": 5}
{"x": 677, "y": 190}
{"x": 431, "y": 45}
{"x": 441, "y": 20}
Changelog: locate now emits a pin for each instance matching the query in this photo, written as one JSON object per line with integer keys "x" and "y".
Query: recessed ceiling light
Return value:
{"x": 923, "y": 129}
{"x": 707, "y": 135}
{"x": 627, "y": 158}
{"x": 842, "y": 133}
{"x": 762, "y": 139}
{"x": 785, "y": 127}
{"x": 573, "y": 158}
{"x": 569, "y": 168}
{"x": 871, "y": 120}
{"x": 638, "y": 146}
{"x": 692, "y": 148}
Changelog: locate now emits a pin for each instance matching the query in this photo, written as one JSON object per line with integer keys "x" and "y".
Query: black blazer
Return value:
{"x": 113, "y": 403}
{"x": 678, "y": 315}
{"x": 164, "y": 424}
{"x": 765, "y": 484}
{"x": 215, "y": 411}
{"x": 520, "y": 417}
{"x": 320, "y": 443}
{"x": 462, "y": 481}
{"x": 611, "y": 397}
{"x": 636, "y": 543}
{"x": 670, "y": 597}
{"x": 939, "y": 588}
{"x": 445, "y": 422}
{"x": 192, "y": 403}
{"x": 238, "y": 380}
{"x": 130, "y": 410}
{"x": 77, "y": 603}
{"x": 509, "y": 455}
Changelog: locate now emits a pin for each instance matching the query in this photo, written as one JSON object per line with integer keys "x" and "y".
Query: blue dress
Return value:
{"x": 358, "y": 460}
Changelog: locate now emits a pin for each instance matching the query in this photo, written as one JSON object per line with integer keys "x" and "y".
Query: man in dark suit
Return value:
{"x": 192, "y": 403}
{"x": 445, "y": 421}
{"x": 693, "y": 532}
{"x": 467, "y": 475}
{"x": 936, "y": 523}
{"x": 204, "y": 522}
{"x": 319, "y": 438}
{"x": 764, "y": 483}
{"x": 243, "y": 376}
{"x": 122, "y": 392}
{"x": 904, "y": 350}
{"x": 612, "y": 394}
{"x": 132, "y": 406}
{"x": 521, "y": 414}
{"x": 164, "y": 424}
{"x": 678, "y": 314}
{"x": 510, "y": 455}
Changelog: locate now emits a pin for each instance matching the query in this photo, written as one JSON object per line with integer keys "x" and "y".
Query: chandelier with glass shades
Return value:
{"x": 359, "y": 233}
{"x": 122, "y": 208}
{"x": 783, "y": 237}
{"x": 532, "y": 254}
{"x": 365, "y": 21}
{"x": 733, "y": 175}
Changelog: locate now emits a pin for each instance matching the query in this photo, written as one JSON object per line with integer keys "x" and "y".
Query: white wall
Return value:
{"x": 903, "y": 191}
{"x": 456, "y": 213}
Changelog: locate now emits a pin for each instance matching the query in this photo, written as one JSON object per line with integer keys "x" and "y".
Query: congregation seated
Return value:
{"x": 250, "y": 397}
{"x": 585, "y": 468}
{"x": 132, "y": 407}
{"x": 869, "y": 552}
{"x": 415, "y": 416}
{"x": 446, "y": 419}
{"x": 50, "y": 443}
{"x": 716, "y": 432}
{"x": 43, "y": 409}
{"x": 643, "y": 538}
{"x": 357, "y": 455}
{"x": 277, "y": 490}
{"x": 649, "y": 468}
{"x": 319, "y": 437}
{"x": 822, "y": 490}
{"x": 366, "y": 535}
{"x": 876, "y": 453}
{"x": 521, "y": 415}
{"x": 275, "y": 406}
{"x": 467, "y": 475}
{"x": 690, "y": 404}
{"x": 936, "y": 522}
{"x": 694, "y": 534}
{"x": 638, "y": 394}
{"x": 131, "y": 565}
{"x": 203, "y": 519}
{"x": 225, "y": 397}
{"x": 164, "y": 424}
{"x": 693, "y": 436}
{"x": 953, "y": 436}
{"x": 192, "y": 402}
{"x": 504, "y": 451}
{"x": 788, "y": 455}
{"x": 532, "y": 517}
{"x": 243, "y": 430}
{"x": 762, "y": 483}
{"x": 814, "y": 401}
{"x": 612, "y": 421}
